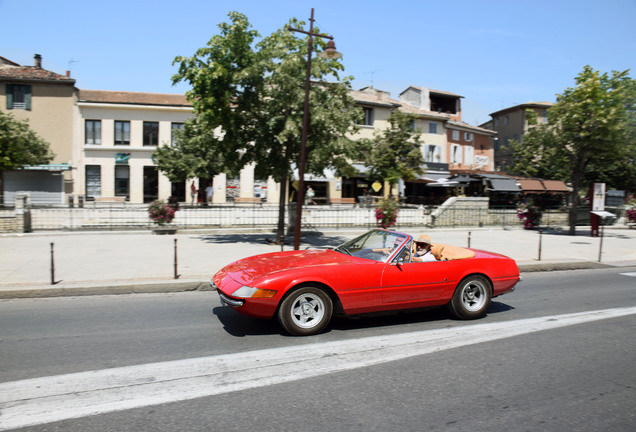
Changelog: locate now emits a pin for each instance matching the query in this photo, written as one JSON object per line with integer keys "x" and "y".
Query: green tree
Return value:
{"x": 227, "y": 79}
{"x": 20, "y": 146}
{"x": 395, "y": 153}
{"x": 589, "y": 135}
{"x": 248, "y": 98}
{"x": 332, "y": 112}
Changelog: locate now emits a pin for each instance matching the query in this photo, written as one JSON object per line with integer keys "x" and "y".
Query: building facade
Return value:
{"x": 511, "y": 124}
{"x": 104, "y": 142}
{"x": 48, "y": 102}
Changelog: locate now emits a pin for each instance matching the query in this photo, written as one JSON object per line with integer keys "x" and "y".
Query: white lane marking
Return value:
{"x": 633, "y": 274}
{"x": 48, "y": 399}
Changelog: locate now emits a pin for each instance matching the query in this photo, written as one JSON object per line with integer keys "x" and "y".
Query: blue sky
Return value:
{"x": 495, "y": 53}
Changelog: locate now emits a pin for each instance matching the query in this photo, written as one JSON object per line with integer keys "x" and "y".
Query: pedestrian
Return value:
{"x": 208, "y": 193}
{"x": 193, "y": 192}
{"x": 309, "y": 196}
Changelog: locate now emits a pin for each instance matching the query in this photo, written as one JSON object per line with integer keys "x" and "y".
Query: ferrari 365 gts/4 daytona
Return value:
{"x": 374, "y": 272}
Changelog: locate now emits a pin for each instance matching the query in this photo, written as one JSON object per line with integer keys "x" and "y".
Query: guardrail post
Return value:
{"x": 52, "y": 265}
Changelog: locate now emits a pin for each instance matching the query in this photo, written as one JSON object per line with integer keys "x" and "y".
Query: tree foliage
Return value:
{"x": 20, "y": 145}
{"x": 590, "y": 136}
{"x": 248, "y": 97}
{"x": 395, "y": 153}
{"x": 227, "y": 81}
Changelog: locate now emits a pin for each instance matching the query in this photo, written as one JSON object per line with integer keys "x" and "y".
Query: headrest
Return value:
{"x": 437, "y": 250}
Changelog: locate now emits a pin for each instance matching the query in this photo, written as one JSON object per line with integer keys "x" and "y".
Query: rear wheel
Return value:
{"x": 306, "y": 311}
{"x": 471, "y": 298}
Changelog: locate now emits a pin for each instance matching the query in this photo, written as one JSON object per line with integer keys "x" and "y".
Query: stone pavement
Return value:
{"x": 92, "y": 263}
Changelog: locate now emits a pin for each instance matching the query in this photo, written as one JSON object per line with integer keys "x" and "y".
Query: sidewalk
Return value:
{"x": 90, "y": 263}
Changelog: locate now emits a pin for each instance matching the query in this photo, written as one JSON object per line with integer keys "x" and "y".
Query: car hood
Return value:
{"x": 263, "y": 266}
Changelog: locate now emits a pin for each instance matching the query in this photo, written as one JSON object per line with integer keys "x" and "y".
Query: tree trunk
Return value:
{"x": 573, "y": 209}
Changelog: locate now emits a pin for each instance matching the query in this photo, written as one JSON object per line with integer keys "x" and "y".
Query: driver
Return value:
{"x": 422, "y": 249}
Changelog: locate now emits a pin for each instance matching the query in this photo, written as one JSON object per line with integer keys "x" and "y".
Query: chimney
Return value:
{"x": 68, "y": 74}
{"x": 37, "y": 61}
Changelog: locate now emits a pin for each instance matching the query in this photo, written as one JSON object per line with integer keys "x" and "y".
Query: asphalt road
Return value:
{"x": 527, "y": 366}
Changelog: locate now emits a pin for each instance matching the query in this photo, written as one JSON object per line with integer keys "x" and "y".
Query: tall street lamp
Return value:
{"x": 329, "y": 53}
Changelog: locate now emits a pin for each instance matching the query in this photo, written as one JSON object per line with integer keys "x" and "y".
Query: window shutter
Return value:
{"x": 9, "y": 96}
{"x": 27, "y": 98}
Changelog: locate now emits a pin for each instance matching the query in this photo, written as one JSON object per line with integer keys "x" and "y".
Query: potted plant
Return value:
{"x": 530, "y": 215}
{"x": 162, "y": 215}
{"x": 386, "y": 213}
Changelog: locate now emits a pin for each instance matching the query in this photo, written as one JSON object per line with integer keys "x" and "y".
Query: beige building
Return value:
{"x": 105, "y": 140}
{"x": 48, "y": 102}
{"x": 511, "y": 124}
{"x": 117, "y": 135}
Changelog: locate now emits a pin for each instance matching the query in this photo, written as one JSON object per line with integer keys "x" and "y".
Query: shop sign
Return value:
{"x": 122, "y": 158}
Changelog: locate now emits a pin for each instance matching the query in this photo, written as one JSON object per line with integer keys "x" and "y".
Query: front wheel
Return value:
{"x": 471, "y": 298}
{"x": 306, "y": 311}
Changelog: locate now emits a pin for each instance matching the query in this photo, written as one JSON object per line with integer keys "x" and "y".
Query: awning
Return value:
{"x": 48, "y": 167}
{"x": 430, "y": 177}
{"x": 328, "y": 175}
{"x": 503, "y": 185}
{"x": 443, "y": 183}
{"x": 531, "y": 185}
{"x": 555, "y": 186}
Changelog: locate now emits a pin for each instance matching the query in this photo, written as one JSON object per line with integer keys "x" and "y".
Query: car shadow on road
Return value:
{"x": 239, "y": 325}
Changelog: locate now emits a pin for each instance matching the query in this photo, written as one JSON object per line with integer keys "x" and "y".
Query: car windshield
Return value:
{"x": 375, "y": 245}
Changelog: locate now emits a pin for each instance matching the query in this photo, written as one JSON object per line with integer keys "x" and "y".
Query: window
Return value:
{"x": 93, "y": 132}
{"x": 18, "y": 96}
{"x": 122, "y": 180}
{"x": 151, "y": 134}
{"x": 506, "y": 120}
{"x": 456, "y": 154}
{"x": 468, "y": 136}
{"x": 432, "y": 153}
{"x": 432, "y": 127}
{"x": 469, "y": 155}
{"x": 175, "y": 127}
{"x": 455, "y": 135}
{"x": 93, "y": 180}
{"x": 122, "y": 133}
{"x": 368, "y": 116}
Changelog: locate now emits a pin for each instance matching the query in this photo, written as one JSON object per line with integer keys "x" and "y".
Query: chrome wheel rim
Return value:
{"x": 474, "y": 296}
{"x": 308, "y": 310}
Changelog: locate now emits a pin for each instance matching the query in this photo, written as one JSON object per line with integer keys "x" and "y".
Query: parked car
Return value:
{"x": 371, "y": 273}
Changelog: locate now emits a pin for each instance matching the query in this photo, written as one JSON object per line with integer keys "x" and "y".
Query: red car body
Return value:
{"x": 358, "y": 284}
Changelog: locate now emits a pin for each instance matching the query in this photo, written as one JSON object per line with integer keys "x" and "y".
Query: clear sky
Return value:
{"x": 494, "y": 53}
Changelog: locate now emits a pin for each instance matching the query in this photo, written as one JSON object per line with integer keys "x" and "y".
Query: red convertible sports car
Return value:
{"x": 374, "y": 272}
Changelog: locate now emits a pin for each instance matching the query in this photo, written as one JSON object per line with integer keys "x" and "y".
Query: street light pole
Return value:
{"x": 330, "y": 53}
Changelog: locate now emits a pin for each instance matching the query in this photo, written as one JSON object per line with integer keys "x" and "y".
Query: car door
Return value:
{"x": 414, "y": 281}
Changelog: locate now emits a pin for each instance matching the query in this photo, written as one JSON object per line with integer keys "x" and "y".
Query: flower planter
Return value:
{"x": 164, "y": 230}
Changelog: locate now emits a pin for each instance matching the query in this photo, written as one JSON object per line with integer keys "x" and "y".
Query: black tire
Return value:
{"x": 305, "y": 311}
{"x": 472, "y": 298}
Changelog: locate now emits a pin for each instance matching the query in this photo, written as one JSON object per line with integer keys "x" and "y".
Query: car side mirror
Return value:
{"x": 398, "y": 262}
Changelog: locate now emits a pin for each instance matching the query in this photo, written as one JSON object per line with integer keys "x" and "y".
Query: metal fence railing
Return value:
{"x": 130, "y": 216}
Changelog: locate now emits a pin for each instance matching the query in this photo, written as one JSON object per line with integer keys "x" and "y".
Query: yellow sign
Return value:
{"x": 376, "y": 186}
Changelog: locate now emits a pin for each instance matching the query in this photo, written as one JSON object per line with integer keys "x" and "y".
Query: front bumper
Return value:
{"x": 226, "y": 300}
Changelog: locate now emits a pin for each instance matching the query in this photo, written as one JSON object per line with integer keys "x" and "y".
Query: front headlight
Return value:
{"x": 249, "y": 292}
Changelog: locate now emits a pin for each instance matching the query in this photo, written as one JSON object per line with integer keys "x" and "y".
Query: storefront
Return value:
{"x": 41, "y": 184}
